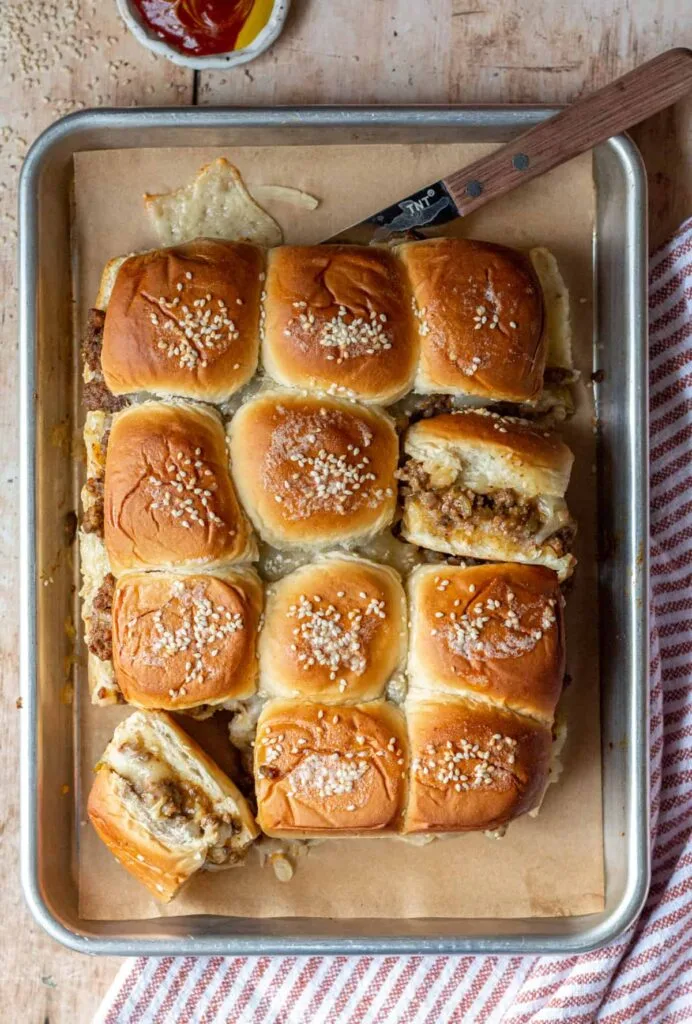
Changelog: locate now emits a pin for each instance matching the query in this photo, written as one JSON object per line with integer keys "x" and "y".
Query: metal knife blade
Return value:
{"x": 427, "y": 208}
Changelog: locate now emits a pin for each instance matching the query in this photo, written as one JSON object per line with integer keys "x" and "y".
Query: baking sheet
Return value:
{"x": 548, "y": 866}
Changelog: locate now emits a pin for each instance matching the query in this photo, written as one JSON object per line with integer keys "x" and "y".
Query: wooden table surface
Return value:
{"x": 59, "y": 56}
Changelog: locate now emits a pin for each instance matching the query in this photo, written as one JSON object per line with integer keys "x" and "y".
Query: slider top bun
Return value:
{"x": 473, "y": 766}
{"x": 169, "y": 500}
{"x": 339, "y": 315}
{"x": 334, "y": 631}
{"x": 493, "y": 632}
{"x": 312, "y": 471}
{"x": 480, "y": 309}
{"x": 322, "y": 770}
{"x": 164, "y": 808}
{"x": 483, "y": 451}
{"x": 184, "y": 640}
{"x": 184, "y": 321}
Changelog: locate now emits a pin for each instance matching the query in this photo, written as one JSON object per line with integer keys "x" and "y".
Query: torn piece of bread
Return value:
{"x": 163, "y": 808}
{"x": 286, "y": 194}
{"x": 215, "y": 205}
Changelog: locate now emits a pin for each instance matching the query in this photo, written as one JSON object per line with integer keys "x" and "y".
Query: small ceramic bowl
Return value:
{"x": 144, "y": 34}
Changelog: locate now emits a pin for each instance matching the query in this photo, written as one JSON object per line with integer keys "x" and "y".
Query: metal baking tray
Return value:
{"x": 48, "y": 383}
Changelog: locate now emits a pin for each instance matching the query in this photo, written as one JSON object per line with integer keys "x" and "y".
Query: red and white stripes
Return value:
{"x": 646, "y": 977}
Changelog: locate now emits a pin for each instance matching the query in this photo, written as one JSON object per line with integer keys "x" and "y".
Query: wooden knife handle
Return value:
{"x": 587, "y": 122}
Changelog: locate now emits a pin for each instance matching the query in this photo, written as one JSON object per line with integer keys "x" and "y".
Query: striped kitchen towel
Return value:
{"x": 647, "y": 975}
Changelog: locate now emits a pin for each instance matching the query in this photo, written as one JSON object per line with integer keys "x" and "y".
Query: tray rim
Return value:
{"x": 66, "y": 132}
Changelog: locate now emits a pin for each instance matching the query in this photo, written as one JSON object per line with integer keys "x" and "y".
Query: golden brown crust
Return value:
{"x": 339, "y": 315}
{"x": 503, "y": 436}
{"x": 161, "y": 869}
{"x": 184, "y": 640}
{"x": 163, "y": 807}
{"x": 334, "y": 631}
{"x": 322, "y": 770}
{"x": 185, "y": 320}
{"x": 493, "y": 632}
{"x": 169, "y": 500}
{"x": 313, "y": 471}
{"x": 480, "y": 308}
{"x": 473, "y": 766}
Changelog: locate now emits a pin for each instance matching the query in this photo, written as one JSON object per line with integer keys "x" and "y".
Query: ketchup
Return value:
{"x": 196, "y": 27}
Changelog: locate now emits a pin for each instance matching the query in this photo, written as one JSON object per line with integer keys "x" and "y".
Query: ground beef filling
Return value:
{"x": 556, "y": 375}
{"x": 433, "y": 405}
{"x": 181, "y": 803}
{"x": 100, "y": 638}
{"x": 92, "y": 517}
{"x": 92, "y": 340}
{"x": 457, "y": 506}
{"x": 97, "y": 398}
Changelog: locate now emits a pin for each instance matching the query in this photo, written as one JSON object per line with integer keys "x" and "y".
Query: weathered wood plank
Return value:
{"x": 473, "y": 51}
{"x": 55, "y": 57}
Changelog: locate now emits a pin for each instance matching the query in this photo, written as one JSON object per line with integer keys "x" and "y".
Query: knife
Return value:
{"x": 579, "y": 127}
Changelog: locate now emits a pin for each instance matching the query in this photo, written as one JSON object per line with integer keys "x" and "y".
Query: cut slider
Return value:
{"x": 163, "y": 808}
{"x": 490, "y": 487}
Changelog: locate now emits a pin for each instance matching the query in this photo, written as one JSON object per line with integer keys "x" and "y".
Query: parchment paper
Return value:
{"x": 548, "y": 866}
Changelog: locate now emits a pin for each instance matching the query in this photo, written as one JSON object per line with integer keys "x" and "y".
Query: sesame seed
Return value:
{"x": 345, "y": 335}
{"x": 194, "y": 632}
{"x": 466, "y": 634}
{"x": 464, "y": 765}
{"x": 326, "y": 775}
{"x": 329, "y": 638}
